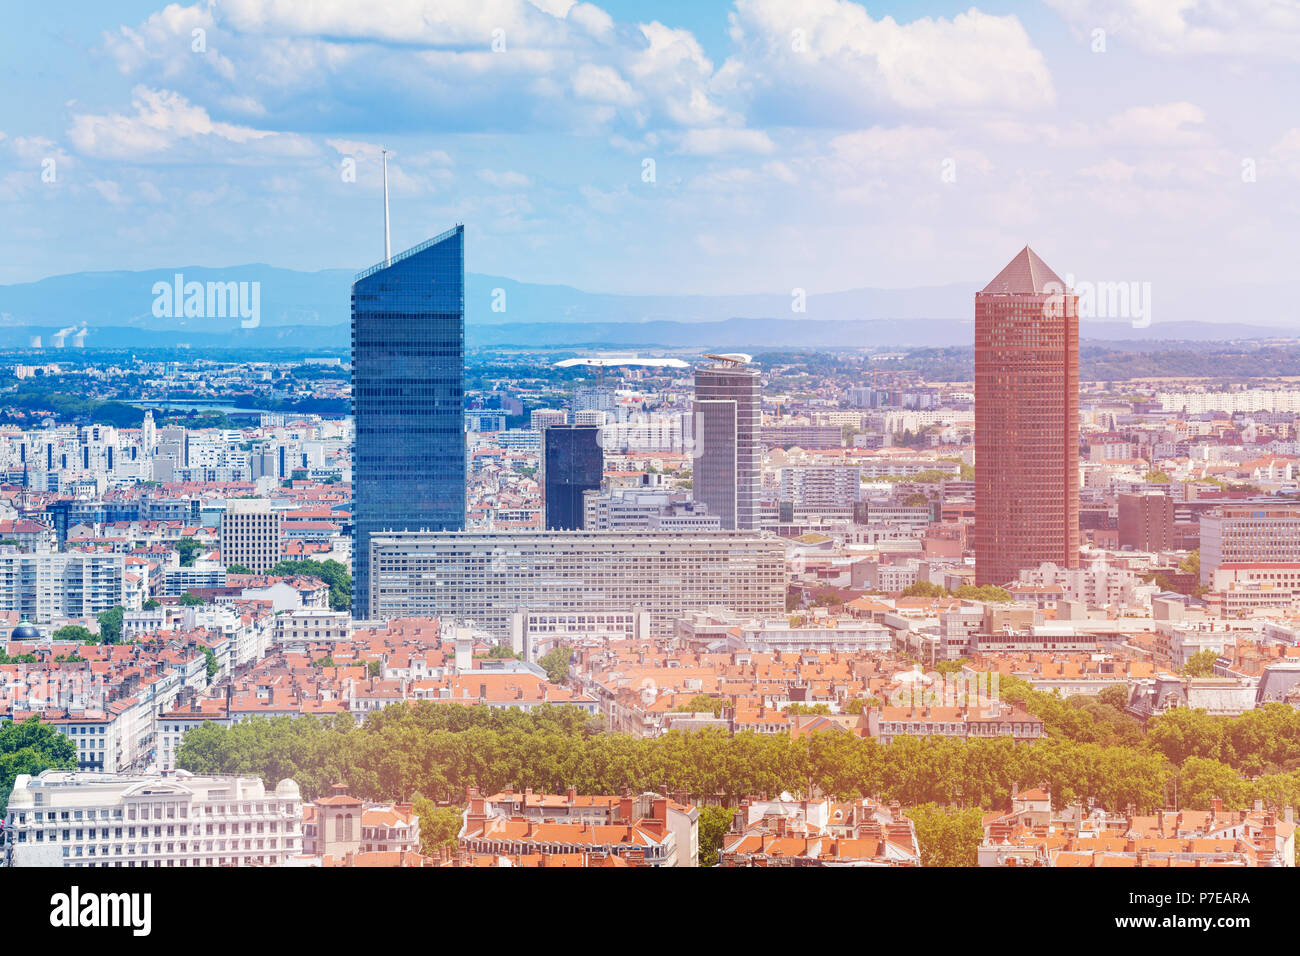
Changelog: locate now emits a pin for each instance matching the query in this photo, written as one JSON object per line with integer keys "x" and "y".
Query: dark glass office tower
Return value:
{"x": 574, "y": 463}
{"x": 728, "y": 454}
{"x": 408, "y": 384}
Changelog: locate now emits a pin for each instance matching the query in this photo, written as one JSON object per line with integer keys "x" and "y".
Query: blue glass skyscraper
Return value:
{"x": 408, "y": 385}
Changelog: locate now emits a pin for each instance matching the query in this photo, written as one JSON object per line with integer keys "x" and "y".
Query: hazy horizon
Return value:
{"x": 682, "y": 148}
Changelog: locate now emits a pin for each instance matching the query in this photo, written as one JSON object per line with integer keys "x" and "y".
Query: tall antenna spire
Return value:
{"x": 388, "y": 246}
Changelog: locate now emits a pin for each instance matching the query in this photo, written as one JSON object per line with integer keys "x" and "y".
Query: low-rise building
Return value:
{"x": 789, "y": 832}
{"x": 643, "y": 830}
{"x": 994, "y": 719}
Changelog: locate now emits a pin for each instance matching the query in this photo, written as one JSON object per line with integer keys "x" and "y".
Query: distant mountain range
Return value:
{"x": 311, "y": 309}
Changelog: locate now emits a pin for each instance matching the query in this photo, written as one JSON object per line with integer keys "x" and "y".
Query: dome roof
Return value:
{"x": 21, "y": 797}
{"x": 24, "y": 632}
{"x": 286, "y": 788}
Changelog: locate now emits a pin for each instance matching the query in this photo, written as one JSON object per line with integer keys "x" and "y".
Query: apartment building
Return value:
{"x": 1257, "y": 533}
{"x": 297, "y": 629}
{"x": 1034, "y": 833}
{"x": 821, "y": 487}
{"x": 202, "y": 574}
{"x": 648, "y": 433}
{"x": 75, "y": 819}
{"x": 801, "y": 436}
{"x": 846, "y": 636}
{"x": 536, "y": 632}
{"x": 642, "y": 830}
{"x": 1098, "y": 584}
{"x": 485, "y": 578}
{"x": 802, "y": 833}
{"x": 45, "y": 586}
{"x": 636, "y": 509}
{"x": 994, "y": 719}
{"x": 251, "y": 534}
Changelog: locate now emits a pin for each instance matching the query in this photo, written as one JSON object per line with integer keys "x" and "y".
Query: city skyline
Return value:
{"x": 716, "y": 519}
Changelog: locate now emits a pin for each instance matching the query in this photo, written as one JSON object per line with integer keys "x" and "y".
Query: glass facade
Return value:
{"x": 574, "y": 464}
{"x": 728, "y": 455}
{"x": 408, "y": 382}
{"x": 1026, "y": 422}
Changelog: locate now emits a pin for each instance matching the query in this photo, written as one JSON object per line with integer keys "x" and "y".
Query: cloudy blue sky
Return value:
{"x": 819, "y": 144}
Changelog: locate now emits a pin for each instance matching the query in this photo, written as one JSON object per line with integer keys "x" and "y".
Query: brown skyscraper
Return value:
{"x": 1026, "y": 422}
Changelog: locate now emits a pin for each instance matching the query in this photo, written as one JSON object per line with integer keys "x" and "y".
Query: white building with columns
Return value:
{"x": 74, "y": 819}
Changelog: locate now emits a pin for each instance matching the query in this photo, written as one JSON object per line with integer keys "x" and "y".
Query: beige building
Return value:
{"x": 310, "y": 625}
{"x": 251, "y": 534}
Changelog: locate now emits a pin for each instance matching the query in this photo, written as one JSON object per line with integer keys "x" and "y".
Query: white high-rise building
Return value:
{"x": 45, "y": 586}
{"x": 540, "y": 418}
{"x": 825, "y": 487}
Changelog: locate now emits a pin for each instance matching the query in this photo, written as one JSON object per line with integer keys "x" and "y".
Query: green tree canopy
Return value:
{"x": 75, "y": 632}
{"x": 110, "y": 625}
{"x": 925, "y": 589}
{"x": 714, "y": 824}
{"x": 983, "y": 592}
{"x": 331, "y": 572}
{"x": 556, "y": 664}
{"x": 212, "y": 665}
{"x": 438, "y": 825}
{"x": 30, "y": 747}
{"x": 947, "y": 837}
{"x": 189, "y": 549}
{"x": 1201, "y": 664}
{"x": 700, "y": 704}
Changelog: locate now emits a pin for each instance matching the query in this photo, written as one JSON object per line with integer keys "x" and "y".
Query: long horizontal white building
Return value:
{"x": 1246, "y": 400}
{"x": 72, "y": 818}
{"x": 483, "y": 578}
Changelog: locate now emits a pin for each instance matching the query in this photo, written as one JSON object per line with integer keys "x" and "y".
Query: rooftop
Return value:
{"x": 1026, "y": 274}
